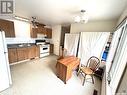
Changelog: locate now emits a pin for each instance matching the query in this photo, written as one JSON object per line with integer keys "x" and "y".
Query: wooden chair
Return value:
{"x": 62, "y": 53}
{"x": 92, "y": 65}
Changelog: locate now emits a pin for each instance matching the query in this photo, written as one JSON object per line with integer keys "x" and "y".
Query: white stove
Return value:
{"x": 44, "y": 50}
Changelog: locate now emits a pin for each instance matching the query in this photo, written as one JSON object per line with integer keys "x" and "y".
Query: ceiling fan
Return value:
{"x": 35, "y": 23}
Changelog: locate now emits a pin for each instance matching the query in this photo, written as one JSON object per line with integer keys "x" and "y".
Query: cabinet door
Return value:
{"x": 42, "y": 30}
{"x": 39, "y": 30}
{"x": 51, "y": 48}
{"x": 32, "y": 52}
{"x": 7, "y": 27}
{"x": 12, "y": 55}
{"x": 22, "y": 54}
{"x": 37, "y": 51}
{"x": 49, "y": 32}
{"x": 33, "y": 33}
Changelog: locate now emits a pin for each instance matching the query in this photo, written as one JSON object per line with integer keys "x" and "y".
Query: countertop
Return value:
{"x": 22, "y": 45}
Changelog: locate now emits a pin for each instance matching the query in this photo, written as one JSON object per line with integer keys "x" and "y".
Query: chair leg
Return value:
{"x": 84, "y": 80}
{"x": 92, "y": 79}
{"x": 78, "y": 72}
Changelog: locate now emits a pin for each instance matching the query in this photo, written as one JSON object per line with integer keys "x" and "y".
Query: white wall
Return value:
{"x": 22, "y": 33}
{"x": 100, "y": 26}
{"x": 123, "y": 15}
{"x": 56, "y": 34}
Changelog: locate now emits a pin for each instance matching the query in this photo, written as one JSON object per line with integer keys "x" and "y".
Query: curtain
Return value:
{"x": 92, "y": 44}
{"x": 71, "y": 43}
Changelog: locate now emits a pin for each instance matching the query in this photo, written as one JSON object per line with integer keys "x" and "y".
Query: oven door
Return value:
{"x": 44, "y": 48}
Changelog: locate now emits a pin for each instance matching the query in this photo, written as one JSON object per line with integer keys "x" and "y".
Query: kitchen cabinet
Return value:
{"x": 49, "y": 32}
{"x": 37, "y": 51}
{"x": 12, "y": 55}
{"x": 51, "y": 48}
{"x": 7, "y": 27}
{"x": 33, "y": 51}
{"x": 40, "y": 30}
{"x": 22, "y": 53}
{"x": 39, "y": 24}
{"x": 16, "y": 54}
{"x": 34, "y": 33}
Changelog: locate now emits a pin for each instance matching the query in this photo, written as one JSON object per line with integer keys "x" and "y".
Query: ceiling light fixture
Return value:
{"x": 82, "y": 18}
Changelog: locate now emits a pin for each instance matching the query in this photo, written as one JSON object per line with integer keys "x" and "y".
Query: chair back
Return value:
{"x": 62, "y": 52}
{"x": 93, "y": 62}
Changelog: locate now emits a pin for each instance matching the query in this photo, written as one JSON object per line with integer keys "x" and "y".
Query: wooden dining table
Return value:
{"x": 66, "y": 66}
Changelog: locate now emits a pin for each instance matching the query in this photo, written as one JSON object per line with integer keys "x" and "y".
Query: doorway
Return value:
{"x": 64, "y": 29}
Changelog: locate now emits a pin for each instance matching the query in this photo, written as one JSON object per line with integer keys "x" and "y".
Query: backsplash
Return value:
{"x": 19, "y": 40}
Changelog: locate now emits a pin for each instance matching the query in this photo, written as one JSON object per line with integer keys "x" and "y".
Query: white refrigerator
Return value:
{"x": 5, "y": 76}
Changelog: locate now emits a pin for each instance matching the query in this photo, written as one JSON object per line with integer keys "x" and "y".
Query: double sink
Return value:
{"x": 20, "y": 45}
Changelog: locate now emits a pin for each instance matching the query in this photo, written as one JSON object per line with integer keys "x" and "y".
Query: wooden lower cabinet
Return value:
{"x": 22, "y": 53}
{"x": 65, "y": 66}
{"x": 51, "y": 48}
{"x": 31, "y": 52}
{"x": 37, "y": 53}
{"x": 12, "y": 55}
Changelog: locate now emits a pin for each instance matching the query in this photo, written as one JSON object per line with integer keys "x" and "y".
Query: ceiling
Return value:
{"x": 51, "y": 12}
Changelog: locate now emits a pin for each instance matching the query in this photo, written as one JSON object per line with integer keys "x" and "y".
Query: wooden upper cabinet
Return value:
{"x": 39, "y": 24}
{"x": 7, "y": 27}
{"x": 41, "y": 30}
{"x": 49, "y": 32}
{"x": 34, "y": 33}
